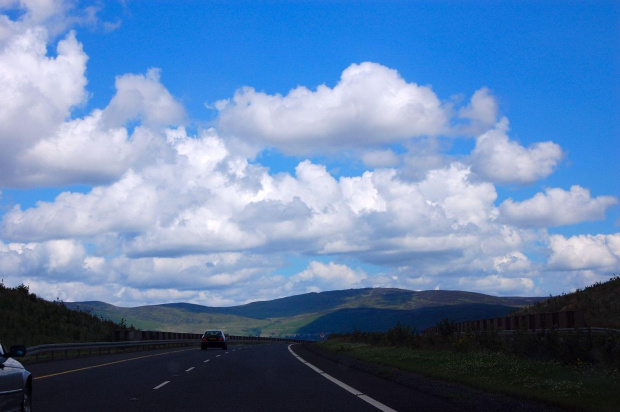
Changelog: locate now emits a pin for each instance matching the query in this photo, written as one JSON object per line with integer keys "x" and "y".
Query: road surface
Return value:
{"x": 274, "y": 377}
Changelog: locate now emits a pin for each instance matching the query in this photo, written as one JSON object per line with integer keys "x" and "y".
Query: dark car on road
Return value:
{"x": 213, "y": 339}
{"x": 15, "y": 381}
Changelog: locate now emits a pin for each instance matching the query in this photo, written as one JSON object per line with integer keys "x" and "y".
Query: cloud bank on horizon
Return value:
{"x": 151, "y": 209}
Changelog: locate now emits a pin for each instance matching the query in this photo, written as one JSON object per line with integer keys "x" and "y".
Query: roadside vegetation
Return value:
{"x": 581, "y": 386}
{"x": 575, "y": 370}
{"x": 26, "y": 319}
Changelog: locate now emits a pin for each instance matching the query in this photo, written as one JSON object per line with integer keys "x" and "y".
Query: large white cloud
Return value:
{"x": 371, "y": 104}
{"x": 204, "y": 200}
{"x": 41, "y": 145}
{"x": 126, "y": 206}
{"x": 498, "y": 159}
{"x": 556, "y": 207}
{"x": 55, "y": 259}
{"x": 585, "y": 252}
{"x": 38, "y": 93}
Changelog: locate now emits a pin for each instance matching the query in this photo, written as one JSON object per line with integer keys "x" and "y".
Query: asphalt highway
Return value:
{"x": 267, "y": 377}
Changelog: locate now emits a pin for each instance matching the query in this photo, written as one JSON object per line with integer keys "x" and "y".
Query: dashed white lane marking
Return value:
{"x": 343, "y": 385}
{"x": 187, "y": 370}
{"x": 218, "y": 356}
{"x": 161, "y": 385}
{"x": 206, "y": 361}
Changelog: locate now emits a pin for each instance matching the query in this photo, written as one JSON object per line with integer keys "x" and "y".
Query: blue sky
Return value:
{"x": 225, "y": 152}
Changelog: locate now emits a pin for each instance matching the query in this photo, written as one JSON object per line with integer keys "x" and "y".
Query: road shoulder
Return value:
{"x": 435, "y": 394}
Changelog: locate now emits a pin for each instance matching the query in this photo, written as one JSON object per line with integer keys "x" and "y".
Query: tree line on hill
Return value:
{"x": 600, "y": 304}
{"x": 26, "y": 319}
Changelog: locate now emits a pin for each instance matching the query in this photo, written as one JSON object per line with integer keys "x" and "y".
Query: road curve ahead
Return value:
{"x": 242, "y": 378}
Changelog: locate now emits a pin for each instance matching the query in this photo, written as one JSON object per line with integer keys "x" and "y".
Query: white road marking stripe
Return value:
{"x": 190, "y": 369}
{"x": 162, "y": 384}
{"x": 218, "y": 356}
{"x": 375, "y": 403}
{"x": 206, "y": 361}
{"x": 343, "y": 385}
{"x": 311, "y": 366}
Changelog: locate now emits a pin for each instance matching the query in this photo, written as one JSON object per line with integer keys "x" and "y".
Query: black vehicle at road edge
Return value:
{"x": 15, "y": 381}
{"x": 213, "y": 338}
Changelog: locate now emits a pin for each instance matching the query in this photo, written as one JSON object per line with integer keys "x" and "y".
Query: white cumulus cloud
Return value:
{"x": 371, "y": 104}
{"x": 556, "y": 207}
{"x": 319, "y": 276}
{"x": 41, "y": 145}
{"x": 498, "y": 159}
{"x": 38, "y": 93}
{"x": 585, "y": 252}
{"x": 144, "y": 98}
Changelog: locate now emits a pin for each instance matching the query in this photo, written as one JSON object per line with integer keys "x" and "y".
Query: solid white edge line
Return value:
{"x": 343, "y": 385}
{"x": 161, "y": 384}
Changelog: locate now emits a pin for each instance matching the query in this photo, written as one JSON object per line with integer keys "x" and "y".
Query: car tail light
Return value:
{"x": 204, "y": 339}
{"x": 220, "y": 339}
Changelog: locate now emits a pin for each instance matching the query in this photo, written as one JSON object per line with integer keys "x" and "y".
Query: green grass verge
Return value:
{"x": 583, "y": 386}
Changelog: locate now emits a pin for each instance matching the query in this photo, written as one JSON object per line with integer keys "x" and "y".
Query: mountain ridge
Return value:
{"x": 313, "y": 313}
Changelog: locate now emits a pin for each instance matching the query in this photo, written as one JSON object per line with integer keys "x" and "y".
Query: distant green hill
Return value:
{"x": 371, "y": 309}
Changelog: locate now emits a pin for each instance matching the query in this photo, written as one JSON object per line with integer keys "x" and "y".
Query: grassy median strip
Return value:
{"x": 582, "y": 386}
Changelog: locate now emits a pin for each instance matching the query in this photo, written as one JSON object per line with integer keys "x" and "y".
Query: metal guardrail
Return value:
{"x": 596, "y": 331}
{"x": 568, "y": 319}
{"x": 564, "y": 331}
{"x": 36, "y": 351}
{"x": 100, "y": 346}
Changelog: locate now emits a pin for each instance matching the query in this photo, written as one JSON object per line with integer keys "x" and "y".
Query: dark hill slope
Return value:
{"x": 600, "y": 304}
{"x": 380, "y": 320}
